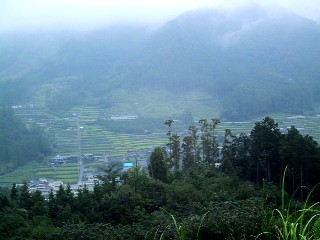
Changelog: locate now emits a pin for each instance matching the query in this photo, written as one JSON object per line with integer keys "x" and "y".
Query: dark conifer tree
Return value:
{"x": 265, "y": 141}
{"x": 176, "y": 151}
{"x": 188, "y": 157}
{"x": 157, "y": 166}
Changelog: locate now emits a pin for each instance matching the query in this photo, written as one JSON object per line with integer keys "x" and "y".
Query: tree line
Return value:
{"x": 258, "y": 157}
{"x": 138, "y": 208}
{"x": 19, "y": 144}
{"x": 264, "y": 154}
{"x": 182, "y": 180}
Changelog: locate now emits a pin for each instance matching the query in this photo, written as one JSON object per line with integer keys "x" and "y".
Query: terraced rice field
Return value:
{"x": 305, "y": 124}
{"x": 79, "y": 131}
{"x": 235, "y": 127}
{"x": 67, "y": 173}
{"x": 162, "y": 104}
{"x": 80, "y": 125}
{"x": 98, "y": 140}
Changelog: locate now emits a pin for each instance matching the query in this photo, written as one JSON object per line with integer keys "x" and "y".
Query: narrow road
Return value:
{"x": 80, "y": 175}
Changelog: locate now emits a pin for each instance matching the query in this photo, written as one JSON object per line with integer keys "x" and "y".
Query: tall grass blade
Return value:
{"x": 296, "y": 225}
{"x": 200, "y": 225}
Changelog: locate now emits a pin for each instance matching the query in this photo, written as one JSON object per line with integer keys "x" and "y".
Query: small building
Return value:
{"x": 43, "y": 181}
{"x": 127, "y": 165}
{"x": 55, "y": 184}
{"x": 124, "y": 117}
{"x": 58, "y": 159}
{"x": 64, "y": 158}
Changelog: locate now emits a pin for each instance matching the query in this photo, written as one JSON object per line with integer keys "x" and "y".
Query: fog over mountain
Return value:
{"x": 89, "y": 14}
{"x": 253, "y": 60}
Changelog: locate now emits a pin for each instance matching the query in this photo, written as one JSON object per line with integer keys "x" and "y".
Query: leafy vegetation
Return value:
{"x": 189, "y": 201}
{"x": 295, "y": 223}
{"x": 19, "y": 144}
{"x": 195, "y": 65}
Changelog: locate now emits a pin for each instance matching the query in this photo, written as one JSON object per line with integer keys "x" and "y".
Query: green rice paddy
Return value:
{"x": 79, "y": 129}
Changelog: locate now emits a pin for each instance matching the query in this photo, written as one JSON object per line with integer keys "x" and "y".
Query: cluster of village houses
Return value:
{"x": 88, "y": 179}
{"x": 46, "y": 185}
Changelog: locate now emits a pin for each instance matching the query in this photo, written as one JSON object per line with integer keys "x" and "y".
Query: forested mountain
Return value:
{"x": 254, "y": 64}
{"x": 253, "y": 61}
{"x": 19, "y": 144}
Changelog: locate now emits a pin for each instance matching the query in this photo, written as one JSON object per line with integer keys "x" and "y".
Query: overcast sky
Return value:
{"x": 35, "y": 14}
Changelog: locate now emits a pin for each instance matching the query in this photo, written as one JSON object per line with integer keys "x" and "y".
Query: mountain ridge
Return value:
{"x": 252, "y": 61}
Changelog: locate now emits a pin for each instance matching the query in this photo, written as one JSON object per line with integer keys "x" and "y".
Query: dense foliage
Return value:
{"x": 233, "y": 202}
{"x": 137, "y": 209}
{"x": 19, "y": 144}
{"x": 267, "y": 151}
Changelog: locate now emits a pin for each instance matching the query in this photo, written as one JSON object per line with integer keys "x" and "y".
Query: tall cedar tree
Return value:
{"x": 157, "y": 166}
{"x": 265, "y": 141}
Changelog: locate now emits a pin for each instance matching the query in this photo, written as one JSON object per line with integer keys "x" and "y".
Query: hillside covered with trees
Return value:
{"x": 19, "y": 144}
{"x": 251, "y": 61}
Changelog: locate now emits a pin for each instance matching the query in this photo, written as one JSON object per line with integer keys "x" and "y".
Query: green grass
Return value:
{"x": 180, "y": 230}
{"x": 47, "y": 173}
{"x": 70, "y": 180}
{"x": 301, "y": 224}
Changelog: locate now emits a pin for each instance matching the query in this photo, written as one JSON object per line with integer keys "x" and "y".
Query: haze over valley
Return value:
{"x": 177, "y": 119}
{"x": 245, "y": 64}
{"x": 237, "y": 64}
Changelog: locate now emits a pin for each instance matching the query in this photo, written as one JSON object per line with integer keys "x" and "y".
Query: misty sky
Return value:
{"x": 35, "y": 14}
